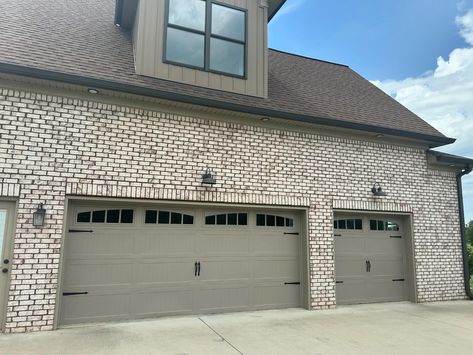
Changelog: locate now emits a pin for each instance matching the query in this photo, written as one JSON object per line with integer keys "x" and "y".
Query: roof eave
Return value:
{"x": 274, "y": 11}
{"x": 431, "y": 140}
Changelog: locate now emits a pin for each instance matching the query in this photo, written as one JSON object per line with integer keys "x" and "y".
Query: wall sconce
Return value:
{"x": 38, "y": 216}
{"x": 208, "y": 178}
{"x": 377, "y": 190}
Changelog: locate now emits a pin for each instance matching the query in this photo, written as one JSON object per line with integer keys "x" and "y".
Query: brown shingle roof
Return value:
{"x": 78, "y": 37}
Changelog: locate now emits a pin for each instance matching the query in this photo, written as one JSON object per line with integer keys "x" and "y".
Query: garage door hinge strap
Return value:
{"x": 291, "y": 233}
{"x": 74, "y": 293}
{"x": 292, "y": 283}
{"x": 397, "y": 280}
{"x": 396, "y": 236}
{"x": 339, "y": 282}
{"x": 80, "y": 231}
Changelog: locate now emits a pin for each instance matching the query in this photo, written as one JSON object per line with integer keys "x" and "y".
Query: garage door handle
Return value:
{"x": 198, "y": 268}
{"x": 292, "y": 283}
{"x": 195, "y": 269}
{"x": 368, "y": 266}
{"x": 74, "y": 293}
{"x": 80, "y": 231}
{"x": 287, "y": 233}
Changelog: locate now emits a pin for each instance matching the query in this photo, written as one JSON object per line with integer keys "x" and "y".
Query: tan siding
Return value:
{"x": 149, "y": 40}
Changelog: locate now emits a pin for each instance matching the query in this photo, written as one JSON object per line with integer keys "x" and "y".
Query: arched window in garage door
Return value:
{"x": 269, "y": 220}
{"x": 227, "y": 219}
{"x": 106, "y": 216}
{"x": 167, "y": 217}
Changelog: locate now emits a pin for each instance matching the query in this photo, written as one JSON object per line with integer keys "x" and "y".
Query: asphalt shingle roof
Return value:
{"x": 79, "y": 37}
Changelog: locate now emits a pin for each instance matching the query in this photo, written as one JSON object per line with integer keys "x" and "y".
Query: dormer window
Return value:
{"x": 206, "y": 35}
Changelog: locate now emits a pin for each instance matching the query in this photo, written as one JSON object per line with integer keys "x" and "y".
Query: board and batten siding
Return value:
{"x": 148, "y": 38}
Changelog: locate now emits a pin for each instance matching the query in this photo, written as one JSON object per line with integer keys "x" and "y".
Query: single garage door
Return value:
{"x": 134, "y": 261}
{"x": 370, "y": 259}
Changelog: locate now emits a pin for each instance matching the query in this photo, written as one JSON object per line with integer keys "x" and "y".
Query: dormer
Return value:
{"x": 220, "y": 45}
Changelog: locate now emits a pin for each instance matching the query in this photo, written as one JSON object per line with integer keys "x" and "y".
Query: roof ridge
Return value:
{"x": 310, "y": 58}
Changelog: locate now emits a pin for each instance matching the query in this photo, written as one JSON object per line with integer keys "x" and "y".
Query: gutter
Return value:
{"x": 461, "y": 210}
{"x": 89, "y": 82}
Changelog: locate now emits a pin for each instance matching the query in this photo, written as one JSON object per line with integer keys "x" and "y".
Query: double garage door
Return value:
{"x": 371, "y": 259}
{"x": 136, "y": 261}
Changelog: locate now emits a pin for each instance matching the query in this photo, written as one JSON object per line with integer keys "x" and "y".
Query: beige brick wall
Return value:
{"x": 52, "y": 146}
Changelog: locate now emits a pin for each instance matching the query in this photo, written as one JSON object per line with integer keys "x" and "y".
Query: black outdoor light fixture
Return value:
{"x": 38, "y": 216}
{"x": 377, "y": 190}
{"x": 208, "y": 178}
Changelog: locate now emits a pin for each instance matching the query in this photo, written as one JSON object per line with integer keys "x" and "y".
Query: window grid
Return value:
{"x": 167, "y": 217}
{"x": 382, "y": 225}
{"x": 208, "y": 37}
{"x": 269, "y": 220}
{"x": 348, "y": 224}
{"x": 109, "y": 216}
{"x": 227, "y": 219}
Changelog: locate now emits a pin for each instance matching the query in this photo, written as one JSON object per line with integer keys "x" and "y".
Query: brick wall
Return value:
{"x": 52, "y": 146}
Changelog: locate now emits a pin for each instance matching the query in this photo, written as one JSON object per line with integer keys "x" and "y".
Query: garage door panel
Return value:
{"x": 276, "y": 295}
{"x": 384, "y": 289}
{"x": 88, "y": 273}
{"x": 283, "y": 269}
{"x": 349, "y": 265}
{"x": 227, "y": 298}
{"x": 109, "y": 242}
{"x": 95, "y": 308}
{"x": 277, "y": 244}
{"x": 165, "y": 242}
{"x": 221, "y": 244}
{"x": 224, "y": 270}
{"x": 384, "y": 245}
{"x": 351, "y": 290}
{"x": 349, "y": 244}
{"x": 163, "y": 271}
{"x": 386, "y": 266}
{"x": 171, "y": 301}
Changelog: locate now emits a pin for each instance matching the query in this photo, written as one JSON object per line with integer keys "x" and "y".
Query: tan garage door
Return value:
{"x": 132, "y": 261}
{"x": 370, "y": 259}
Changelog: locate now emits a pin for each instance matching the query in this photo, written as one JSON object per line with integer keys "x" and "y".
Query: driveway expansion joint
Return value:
{"x": 221, "y": 336}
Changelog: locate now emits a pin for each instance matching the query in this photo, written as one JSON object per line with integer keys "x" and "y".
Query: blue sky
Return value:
{"x": 418, "y": 51}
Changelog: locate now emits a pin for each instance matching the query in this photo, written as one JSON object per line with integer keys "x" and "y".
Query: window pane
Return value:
{"x": 289, "y": 222}
{"x": 185, "y": 47}
{"x": 151, "y": 216}
{"x": 280, "y": 221}
{"x": 242, "y": 219}
{"x": 350, "y": 224}
{"x": 227, "y": 57}
{"x": 270, "y": 220}
{"x": 232, "y": 219}
{"x": 113, "y": 216}
{"x": 163, "y": 217}
{"x": 381, "y": 225}
{"x": 221, "y": 219}
{"x": 373, "y": 225}
{"x": 359, "y": 224}
{"x": 176, "y": 218}
{"x": 210, "y": 220}
{"x": 127, "y": 216}
{"x": 260, "y": 220}
{"x": 228, "y": 22}
{"x": 83, "y": 217}
{"x": 187, "y": 13}
{"x": 98, "y": 217}
{"x": 187, "y": 219}
{"x": 342, "y": 224}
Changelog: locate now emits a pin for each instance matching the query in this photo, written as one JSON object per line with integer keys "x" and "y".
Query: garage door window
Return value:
{"x": 350, "y": 224}
{"x": 106, "y": 216}
{"x": 227, "y": 219}
{"x": 269, "y": 220}
{"x": 167, "y": 217}
{"x": 377, "y": 225}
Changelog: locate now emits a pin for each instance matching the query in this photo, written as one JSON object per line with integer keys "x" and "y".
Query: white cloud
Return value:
{"x": 444, "y": 98}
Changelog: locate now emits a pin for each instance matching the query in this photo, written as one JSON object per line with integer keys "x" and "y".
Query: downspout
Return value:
{"x": 466, "y": 269}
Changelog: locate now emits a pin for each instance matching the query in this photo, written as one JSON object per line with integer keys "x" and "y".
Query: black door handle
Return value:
{"x": 369, "y": 266}
{"x": 366, "y": 265}
{"x": 5, "y": 270}
{"x": 195, "y": 268}
{"x": 198, "y": 268}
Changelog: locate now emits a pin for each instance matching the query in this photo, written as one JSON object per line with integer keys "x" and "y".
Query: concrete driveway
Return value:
{"x": 398, "y": 328}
